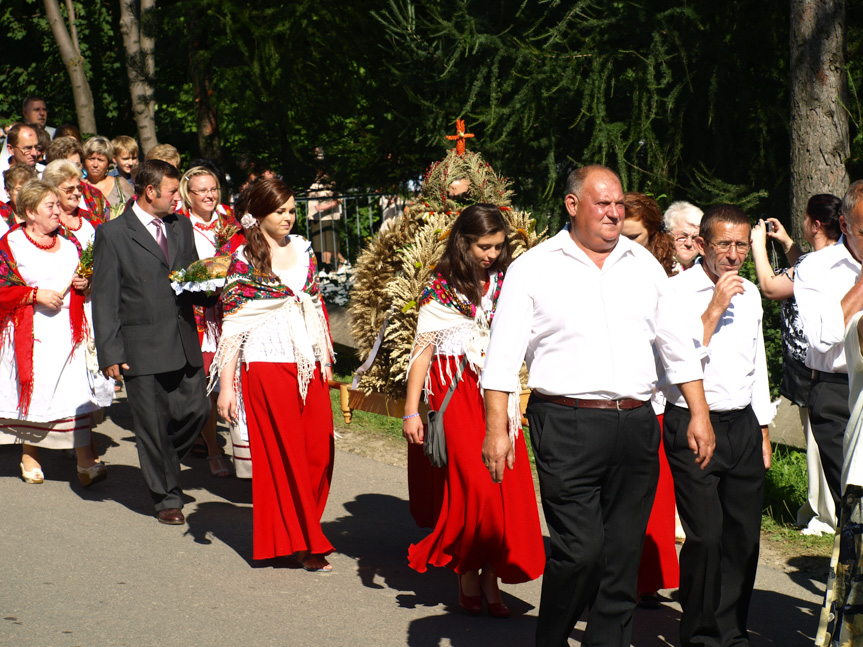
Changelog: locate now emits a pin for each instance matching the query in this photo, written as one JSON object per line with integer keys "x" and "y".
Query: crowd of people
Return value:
{"x": 646, "y": 362}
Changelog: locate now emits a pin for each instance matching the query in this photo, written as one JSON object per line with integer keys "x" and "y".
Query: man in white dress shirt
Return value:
{"x": 589, "y": 338}
{"x": 720, "y": 507}
{"x": 828, "y": 286}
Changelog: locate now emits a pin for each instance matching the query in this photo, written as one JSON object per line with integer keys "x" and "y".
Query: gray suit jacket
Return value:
{"x": 137, "y": 318}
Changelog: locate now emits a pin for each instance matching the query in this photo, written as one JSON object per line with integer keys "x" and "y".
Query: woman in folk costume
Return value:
{"x": 75, "y": 223}
{"x": 484, "y": 531}
{"x": 200, "y": 192}
{"x": 45, "y": 392}
{"x": 274, "y": 360}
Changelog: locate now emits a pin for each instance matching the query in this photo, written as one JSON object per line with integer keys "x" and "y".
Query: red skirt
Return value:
{"x": 292, "y": 451}
{"x": 659, "y": 567}
{"x": 479, "y": 522}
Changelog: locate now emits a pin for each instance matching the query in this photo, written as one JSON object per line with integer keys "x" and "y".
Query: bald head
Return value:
{"x": 576, "y": 179}
{"x": 594, "y": 201}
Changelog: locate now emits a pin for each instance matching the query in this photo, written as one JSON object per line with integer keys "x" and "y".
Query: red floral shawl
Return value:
{"x": 96, "y": 203}
{"x": 7, "y": 214}
{"x": 14, "y": 295}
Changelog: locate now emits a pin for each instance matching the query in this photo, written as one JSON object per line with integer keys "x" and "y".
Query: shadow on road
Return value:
{"x": 226, "y": 522}
{"x": 377, "y": 532}
{"x": 778, "y": 619}
{"x": 811, "y": 572}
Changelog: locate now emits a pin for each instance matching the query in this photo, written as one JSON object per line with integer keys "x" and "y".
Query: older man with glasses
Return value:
{"x": 720, "y": 506}
{"x": 22, "y": 147}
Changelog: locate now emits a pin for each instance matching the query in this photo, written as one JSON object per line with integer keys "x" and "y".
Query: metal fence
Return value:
{"x": 360, "y": 217}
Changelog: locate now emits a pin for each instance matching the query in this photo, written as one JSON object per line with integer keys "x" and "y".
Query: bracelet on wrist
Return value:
{"x": 35, "y": 292}
{"x": 408, "y": 417}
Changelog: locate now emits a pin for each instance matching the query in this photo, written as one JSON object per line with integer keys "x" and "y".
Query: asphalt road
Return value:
{"x": 94, "y": 568}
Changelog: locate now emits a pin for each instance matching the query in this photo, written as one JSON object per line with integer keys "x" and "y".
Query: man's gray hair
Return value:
{"x": 851, "y": 199}
{"x": 575, "y": 180}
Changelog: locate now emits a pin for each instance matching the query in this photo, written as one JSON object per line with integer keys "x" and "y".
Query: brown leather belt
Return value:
{"x": 619, "y": 405}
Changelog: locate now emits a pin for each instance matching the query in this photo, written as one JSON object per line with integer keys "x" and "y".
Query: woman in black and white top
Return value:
{"x": 820, "y": 229}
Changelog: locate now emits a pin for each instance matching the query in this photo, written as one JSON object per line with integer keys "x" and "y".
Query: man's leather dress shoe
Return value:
{"x": 172, "y": 516}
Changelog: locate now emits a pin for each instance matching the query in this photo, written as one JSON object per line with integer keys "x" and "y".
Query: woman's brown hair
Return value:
{"x": 642, "y": 208}
{"x": 457, "y": 265}
{"x": 260, "y": 199}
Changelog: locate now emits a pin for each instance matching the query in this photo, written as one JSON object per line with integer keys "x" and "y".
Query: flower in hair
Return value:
{"x": 248, "y": 221}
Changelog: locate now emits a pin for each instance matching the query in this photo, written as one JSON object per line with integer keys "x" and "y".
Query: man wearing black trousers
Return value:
{"x": 590, "y": 342}
{"x": 147, "y": 334}
{"x": 720, "y": 506}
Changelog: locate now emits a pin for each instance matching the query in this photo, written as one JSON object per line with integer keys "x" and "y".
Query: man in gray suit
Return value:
{"x": 147, "y": 333}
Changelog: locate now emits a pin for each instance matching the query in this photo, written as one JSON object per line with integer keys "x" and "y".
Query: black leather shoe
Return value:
{"x": 171, "y": 516}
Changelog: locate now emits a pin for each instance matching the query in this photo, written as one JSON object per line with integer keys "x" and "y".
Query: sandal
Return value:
{"x": 93, "y": 474}
{"x": 316, "y": 564}
{"x": 220, "y": 468}
{"x": 34, "y": 476}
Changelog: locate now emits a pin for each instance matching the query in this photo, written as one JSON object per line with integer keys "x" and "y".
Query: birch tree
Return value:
{"x": 70, "y": 52}
{"x": 138, "y": 41}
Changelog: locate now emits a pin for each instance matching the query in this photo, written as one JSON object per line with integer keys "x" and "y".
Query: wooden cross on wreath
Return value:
{"x": 460, "y": 136}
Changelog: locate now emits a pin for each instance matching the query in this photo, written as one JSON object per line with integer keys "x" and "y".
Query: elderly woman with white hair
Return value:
{"x": 45, "y": 393}
{"x": 98, "y": 153}
{"x": 683, "y": 220}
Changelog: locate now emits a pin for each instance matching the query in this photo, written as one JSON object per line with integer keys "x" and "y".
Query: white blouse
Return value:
{"x": 272, "y": 341}
{"x": 457, "y": 337}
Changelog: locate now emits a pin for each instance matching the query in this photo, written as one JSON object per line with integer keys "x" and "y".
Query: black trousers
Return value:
{"x": 597, "y": 474}
{"x": 168, "y": 412}
{"x": 720, "y": 508}
{"x": 829, "y": 413}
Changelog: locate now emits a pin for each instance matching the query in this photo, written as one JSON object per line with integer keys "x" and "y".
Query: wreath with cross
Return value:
{"x": 398, "y": 262}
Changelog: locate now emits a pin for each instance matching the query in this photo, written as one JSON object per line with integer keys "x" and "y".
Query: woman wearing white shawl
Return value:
{"x": 483, "y": 531}
{"x": 274, "y": 359}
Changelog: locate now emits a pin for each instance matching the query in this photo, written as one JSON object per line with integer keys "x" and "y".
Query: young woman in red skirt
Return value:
{"x": 485, "y": 532}
{"x": 274, "y": 360}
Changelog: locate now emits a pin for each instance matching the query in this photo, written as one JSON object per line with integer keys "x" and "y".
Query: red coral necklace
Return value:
{"x": 40, "y": 245}
{"x": 80, "y": 224}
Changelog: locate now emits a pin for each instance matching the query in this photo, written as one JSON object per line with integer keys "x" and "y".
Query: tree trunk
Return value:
{"x": 819, "y": 94}
{"x": 141, "y": 69}
{"x": 201, "y": 71}
{"x": 74, "y": 63}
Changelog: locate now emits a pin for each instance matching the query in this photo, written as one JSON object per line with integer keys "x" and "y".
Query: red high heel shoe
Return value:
{"x": 496, "y": 609}
{"x": 470, "y": 603}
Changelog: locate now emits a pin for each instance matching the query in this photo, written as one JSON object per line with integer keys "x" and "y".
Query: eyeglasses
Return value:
{"x": 725, "y": 246}
{"x": 682, "y": 238}
{"x": 204, "y": 192}
{"x": 29, "y": 149}
{"x": 69, "y": 190}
